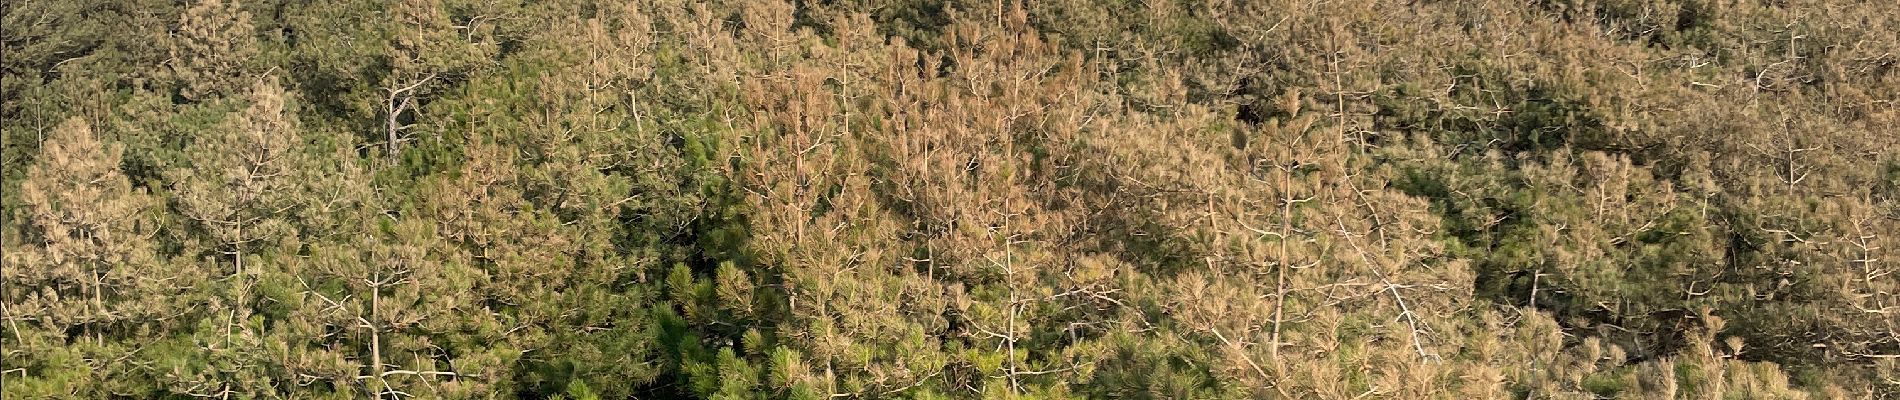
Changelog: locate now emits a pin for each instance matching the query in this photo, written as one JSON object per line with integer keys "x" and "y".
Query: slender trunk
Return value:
{"x": 98, "y": 291}
{"x": 1535, "y": 276}
{"x": 98, "y": 304}
{"x": 237, "y": 251}
{"x": 634, "y": 98}
{"x": 1279, "y": 288}
{"x": 18, "y": 340}
{"x": 391, "y": 142}
{"x": 375, "y": 332}
{"x": 1010, "y": 340}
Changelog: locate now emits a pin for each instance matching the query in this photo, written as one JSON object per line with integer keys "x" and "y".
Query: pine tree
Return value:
{"x": 242, "y": 183}
{"x": 241, "y": 193}
{"x": 85, "y": 286}
{"x": 213, "y": 50}
{"x": 381, "y": 315}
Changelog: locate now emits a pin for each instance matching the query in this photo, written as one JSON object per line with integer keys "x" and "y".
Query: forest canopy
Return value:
{"x": 764, "y": 199}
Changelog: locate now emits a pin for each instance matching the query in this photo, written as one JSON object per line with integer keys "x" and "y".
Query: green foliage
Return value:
{"x": 942, "y": 199}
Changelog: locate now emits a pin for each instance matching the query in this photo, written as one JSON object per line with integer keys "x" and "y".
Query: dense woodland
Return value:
{"x": 1316, "y": 199}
